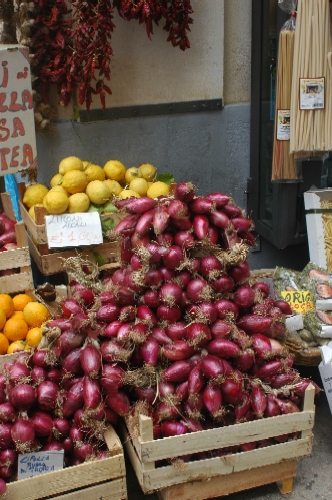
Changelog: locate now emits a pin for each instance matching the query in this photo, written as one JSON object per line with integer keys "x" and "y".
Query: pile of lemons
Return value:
{"x": 78, "y": 184}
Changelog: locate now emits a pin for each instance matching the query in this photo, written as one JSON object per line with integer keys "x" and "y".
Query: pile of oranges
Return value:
{"x": 21, "y": 319}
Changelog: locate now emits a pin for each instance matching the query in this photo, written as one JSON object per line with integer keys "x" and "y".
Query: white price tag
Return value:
{"x": 73, "y": 230}
{"x": 34, "y": 464}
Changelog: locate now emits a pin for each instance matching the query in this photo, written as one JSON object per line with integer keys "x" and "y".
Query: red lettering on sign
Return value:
{"x": 13, "y": 162}
{"x": 3, "y": 108}
{"x": 18, "y": 127}
{"x": 5, "y": 74}
{"x": 27, "y": 153}
{"x": 26, "y": 99}
{"x": 13, "y": 106}
{"x": 3, "y": 161}
{"x": 4, "y": 131}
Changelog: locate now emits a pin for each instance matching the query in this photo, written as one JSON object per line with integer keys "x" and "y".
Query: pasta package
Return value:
{"x": 319, "y": 282}
{"x": 283, "y": 163}
{"x": 319, "y": 323}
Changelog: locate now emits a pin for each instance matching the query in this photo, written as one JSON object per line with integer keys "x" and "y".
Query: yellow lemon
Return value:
{"x": 75, "y": 181}
{"x": 94, "y": 173}
{"x": 34, "y": 194}
{"x": 34, "y": 336}
{"x": 114, "y": 186}
{"x": 147, "y": 171}
{"x": 132, "y": 173}
{"x": 35, "y": 314}
{"x": 127, "y": 193}
{"x": 86, "y": 163}
{"x": 139, "y": 185}
{"x": 98, "y": 192}
{"x": 78, "y": 202}
{"x": 16, "y": 346}
{"x": 56, "y": 203}
{"x": 59, "y": 189}
{"x": 32, "y": 211}
{"x": 115, "y": 170}
{"x": 56, "y": 180}
{"x": 70, "y": 163}
{"x": 158, "y": 189}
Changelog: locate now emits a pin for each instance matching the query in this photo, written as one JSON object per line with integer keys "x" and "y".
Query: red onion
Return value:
{"x": 183, "y": 224}
{"x": 198, "y": 334}
{"x": 261, "y": 346}
{"x": 111, "y": 378}
{"x": 183, "y": 279}
{"x": 232, "y": 210}
{"x": 200, "y": 205}
{"x": 91, "y": 393}
{"x": 8, "y": 458}
{"x": 119, "y": 403}
{"x": 219, "y": 219}
{"x": 300, "y": 387}
{"x": 47, "y": 393}
{"x": 272, "y": 407}
{"x": 184, "y": 239}
{"x": 165, "y": 239}
{"x": 244, "y": 296}
{"x": 223, "y": 284}
{"x": 144, "y": 223}
{"x": 166, "y": 389}
{"x": 71, "y": 307}
{"x": 68, "y": 341}
{"x": 140, "y": 205}
{"x": 160, "y": 336}
{"x": 84, "y": 451}
{"x": 135, "y": 263}
{"x": 23, "y": 396}
{"x": 178, "y": 350}
{"x": 153, "y": 277}
{"x": 170, "y": 294}
{"x": 61, "y": 427}
{"x": 71, "y": 363}
{"x": 174, "y": 257}
{"x": 150, "y": 351}
{"x": 126, "y": 252}
{"x": 262, "y": 287}
{"x": 160, "y": 219}
{"x": 111, "y": 351}
{"x": 177, "y": 371}
{"x": 62, "y": 323}
{"x": 139, "y": 241}
{"x": 90, "y": 360}
{"x": 192, "y": 425}
{"x": 218, "y": 199}
{"x": 270, "y": 368}
{"x": 151, "y": 298}
{"x": 43, "y": 358}
{"x": 74, "y": 400}
{"x": 82, "y": 294}
{"x": 198, "y": 291}
{"x": 76, "y": 434}
{"x": 177, "y": 209}
{"x": 184, "y": 191}
{"x": 242, "y": 223}
{"x": 226, "y": 309}
{"x": 253, "y": 323}
{"x": 108, "y": 313}
{"x": 171, "y": 428}
{"x": 258, "y": 401}
{"x": 112, "y": 329}
{"x": 245, "y": 360}
{"x": 107, "y": 297}
{"x": 167, "y": 411}
{"x": 156, "y": 252}
{"x": 146, "y": 315}
{"x": 284, "y": 306}
{"x": 181, "y": 390}
{"x": 18, "y": 373}
{"x": 124, "y": 332}
{"x": 145, "y": 394}
{"x": 223, "y": 348}
{"x": 196, "y": 381}
{"x": 169, "y": 314}
{"x": 242, "y": 409}
{"x": 282, "y": 379}
{"x": 201, "y": 226}
{"x": 176, "y": 331}
{"x": 287, "y": 406}
{"x": 232, "y": 391}
{"x": 210, "y": 267}
{"x": 7, "y": 412}
{"x": 240, "y": 272}
{"x": 206, "y": 312}
{"x": 42, "y": 422}
{"x": 126, "y": 226}
{"x": 5, "y": 436}
{"x": 23, "y": 435}
{"x": 167, "y": 274}
{"x": 3, "y": 486}
{"x": 276, "y": 331}
{"x": 220, "y": 329}
{"x": 212, "y": 366}
{"x": 212, "y": 398}
{"x": 54, "y": 374}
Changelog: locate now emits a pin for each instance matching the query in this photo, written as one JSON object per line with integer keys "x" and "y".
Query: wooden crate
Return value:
{"x": 17, "y": 258}
{"x": 104, "y": 479}
{"x": 260, "y": 466}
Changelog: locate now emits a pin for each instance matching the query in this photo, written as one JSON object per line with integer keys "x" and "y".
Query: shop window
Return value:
{"x": 277, "y": 208}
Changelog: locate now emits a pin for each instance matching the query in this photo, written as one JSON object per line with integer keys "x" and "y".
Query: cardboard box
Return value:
{"x": 314, "y": 209}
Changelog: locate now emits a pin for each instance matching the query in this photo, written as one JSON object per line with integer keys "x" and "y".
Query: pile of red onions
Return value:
{"x": 180, "y": 326}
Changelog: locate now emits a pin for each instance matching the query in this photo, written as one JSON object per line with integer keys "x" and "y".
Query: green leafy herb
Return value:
{"x": 167, "y": 178}
{"x": 98, "y": 258}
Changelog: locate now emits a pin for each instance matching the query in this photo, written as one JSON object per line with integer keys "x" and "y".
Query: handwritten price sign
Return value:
{"x": 300, "y": 301}
{"x": 73, "y": 230}
{"x": 34, "y": 464}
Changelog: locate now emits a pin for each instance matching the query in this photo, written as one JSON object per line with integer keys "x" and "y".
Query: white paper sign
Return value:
{"x": 73, "y": 230}
{"x": 35, "y": 464}
{"x": 312, "y": 92}
{"x": 17, "y": 126}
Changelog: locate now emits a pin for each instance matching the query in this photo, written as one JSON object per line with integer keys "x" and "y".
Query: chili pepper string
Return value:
{"x": 92, "y": 51}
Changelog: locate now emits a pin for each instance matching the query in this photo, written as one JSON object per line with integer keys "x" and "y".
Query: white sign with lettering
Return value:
{"x": 34, "y": 464}
{"x": 18, "y": 149}
{"x": 73, "y": 230}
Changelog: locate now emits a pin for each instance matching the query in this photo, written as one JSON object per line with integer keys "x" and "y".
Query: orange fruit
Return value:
{"x": 4, "y": 344}
{"x": 17, "y": 314}
{"x": 15, "y": 329}
{"x": 34, "y": 336}
{"x": 3, "y": 318}
{"x": 20, "y": 301}
{"x": 35, "y": 314}
{"x": 16, "y": 346}
{"x": 7, "y": 304}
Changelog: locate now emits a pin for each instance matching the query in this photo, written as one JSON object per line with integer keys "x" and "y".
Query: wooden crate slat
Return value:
{"x": 111, "y": 490}
{"x": 164, "y": 477}
{"x": 221, "y": 437}
{"x": 232, "y": 483}
{"x": 15, "y": 283}
{"x": 10, "y": 358}
{"x": 17, "y": 257}
{"x": 7, "y": 206}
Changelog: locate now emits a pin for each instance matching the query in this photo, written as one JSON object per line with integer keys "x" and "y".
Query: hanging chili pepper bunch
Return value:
{"x": 92, "y": 51}
{"x": 176, "y": 12}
